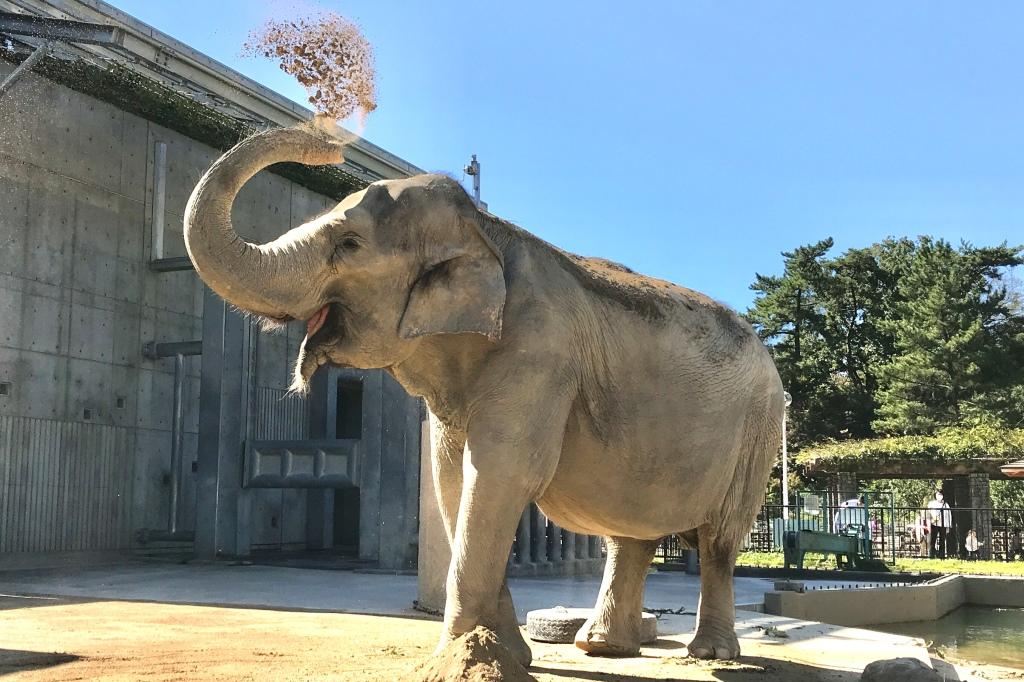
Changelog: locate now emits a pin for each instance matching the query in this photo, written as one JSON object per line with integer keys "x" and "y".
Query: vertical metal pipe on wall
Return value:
{"x": 177, "y": 441}
{"x": 159, "y": 200}
{"x": 178, "y": 350}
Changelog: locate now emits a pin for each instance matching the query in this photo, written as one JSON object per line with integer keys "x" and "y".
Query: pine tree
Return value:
{"x": 788, "y": 318}
{"x": 855, "y": 297}
{"x": 954, "y": 336}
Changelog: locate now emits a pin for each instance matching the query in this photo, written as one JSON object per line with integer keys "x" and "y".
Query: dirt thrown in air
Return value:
{"x": 328, "y": 55}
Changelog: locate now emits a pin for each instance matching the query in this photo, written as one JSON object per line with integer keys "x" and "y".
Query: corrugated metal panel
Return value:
{"x": 280, "y": 415}
{"x": 63, "y": 485}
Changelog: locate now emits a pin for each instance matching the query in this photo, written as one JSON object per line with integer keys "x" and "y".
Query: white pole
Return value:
{"x": 785, "y": 460}
{"x": 474, "y": 169}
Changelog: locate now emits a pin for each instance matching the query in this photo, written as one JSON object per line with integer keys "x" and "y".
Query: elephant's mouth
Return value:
{"x": 314, "y": 323}
{"x": 326, "y": 323}
{"x": 325, "y": 327}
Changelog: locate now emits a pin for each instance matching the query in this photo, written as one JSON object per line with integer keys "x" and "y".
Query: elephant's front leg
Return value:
{"x": 508, "y": 460}
{"x": 447, "y": 463}
{"x": 476, "y": 591}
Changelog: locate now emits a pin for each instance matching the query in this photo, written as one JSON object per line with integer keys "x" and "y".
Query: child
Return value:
{"x": 971, "y": 544}
{"x": 921, "y": 533}
{"x": 1016, "y": 546}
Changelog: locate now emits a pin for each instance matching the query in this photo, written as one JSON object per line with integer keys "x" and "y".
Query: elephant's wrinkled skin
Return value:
{"x": 624, "y": 406}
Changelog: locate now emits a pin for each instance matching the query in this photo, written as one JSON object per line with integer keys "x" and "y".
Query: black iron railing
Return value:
{"x": 893, "y": 531}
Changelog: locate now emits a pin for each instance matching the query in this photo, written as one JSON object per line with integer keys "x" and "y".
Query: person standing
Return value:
{"x": 921, "y": 533}
{"x": 940, "y": 518}
{"x": 1016, "y": 548}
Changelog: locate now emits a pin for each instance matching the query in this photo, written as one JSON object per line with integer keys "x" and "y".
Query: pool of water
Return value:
{"x": 974, "y": 633}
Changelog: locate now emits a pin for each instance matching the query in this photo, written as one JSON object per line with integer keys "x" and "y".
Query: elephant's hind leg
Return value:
{"x": 716, "y": 615}
{"x": 614, "y": 629}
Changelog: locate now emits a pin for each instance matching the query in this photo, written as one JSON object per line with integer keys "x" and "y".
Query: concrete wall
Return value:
{"x": 874, "y": 606}
{"x": 85, "y": 419}
{"x": 994, "y": 591}
{"x": 855, "y": 608}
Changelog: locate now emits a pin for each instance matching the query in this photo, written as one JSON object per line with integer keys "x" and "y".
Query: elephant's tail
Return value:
{"x": 762, "y": 435}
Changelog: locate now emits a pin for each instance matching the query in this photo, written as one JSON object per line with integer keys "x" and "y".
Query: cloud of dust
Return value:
{"x": 328, "y": 55}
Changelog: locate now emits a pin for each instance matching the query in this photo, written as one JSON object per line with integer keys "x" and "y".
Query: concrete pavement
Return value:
{"x": 320, "y": 590}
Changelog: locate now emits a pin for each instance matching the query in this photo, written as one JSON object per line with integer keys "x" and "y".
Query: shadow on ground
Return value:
{"x": 29, "y": 601}
{"x": 744, "y": 670}
{"x": 15, "y": 661}
{"x": 947, "y": 671}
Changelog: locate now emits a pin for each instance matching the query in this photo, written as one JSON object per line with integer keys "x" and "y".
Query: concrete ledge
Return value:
{"x": 569, "y": 567}
{"x": 777, "y": 573}
{"x": 875, "y": 606}
{"x": 994, "y": 591}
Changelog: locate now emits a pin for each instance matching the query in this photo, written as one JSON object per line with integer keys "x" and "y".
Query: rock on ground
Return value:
{"x": 476, "y": 656}
{"x": 902, "y": 669}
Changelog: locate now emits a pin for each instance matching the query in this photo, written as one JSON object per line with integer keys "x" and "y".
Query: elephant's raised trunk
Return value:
{"x": 274, "y": 279}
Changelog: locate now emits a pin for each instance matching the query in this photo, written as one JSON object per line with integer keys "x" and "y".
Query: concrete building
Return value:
{"x": 101, "y": 143}
{"x": 138, "y": 412}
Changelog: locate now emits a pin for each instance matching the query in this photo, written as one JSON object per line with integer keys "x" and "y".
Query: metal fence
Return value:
{"x": 671, "y": 549}
{"x": 894, "y": 531}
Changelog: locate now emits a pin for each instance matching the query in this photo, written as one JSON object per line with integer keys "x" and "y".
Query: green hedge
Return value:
{"x": 947, "y": 446}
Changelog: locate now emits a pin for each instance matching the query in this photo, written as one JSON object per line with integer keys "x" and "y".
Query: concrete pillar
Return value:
{"x": 434, "y": 552}
{"x": 692, "y": 562}
{"x": 396, "y": 522}
{"x": 539, "y": 536}
{"x": 523, "y": 538}
{"x": 320, "y": 503}
{"x": 222, "y": 505}
{"x": 846, "y": 485}
{"x": 371, "y": 485}
{"x": 595, "y": 547}
{"x": 957, "y": 493}
{"x": 568, "y": 547}
{"x": 980, "y": 501}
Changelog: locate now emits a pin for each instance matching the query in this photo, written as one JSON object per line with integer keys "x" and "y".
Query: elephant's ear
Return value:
{"x": 465, "y": 292}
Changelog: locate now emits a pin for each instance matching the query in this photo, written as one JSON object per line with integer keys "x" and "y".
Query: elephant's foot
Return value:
{"x": 606, "y": 639}
{"x": 511, "y": 638}
{"x": 714, "y": 642}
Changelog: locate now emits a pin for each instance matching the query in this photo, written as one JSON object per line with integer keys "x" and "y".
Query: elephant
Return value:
{"x": 624, "y": 406}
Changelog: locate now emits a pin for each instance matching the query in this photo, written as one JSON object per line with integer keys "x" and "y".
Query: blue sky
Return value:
{"x": 691, "y": 141}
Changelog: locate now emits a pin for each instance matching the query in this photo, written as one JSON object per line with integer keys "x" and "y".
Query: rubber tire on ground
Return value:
{"x": 560, "y": 625}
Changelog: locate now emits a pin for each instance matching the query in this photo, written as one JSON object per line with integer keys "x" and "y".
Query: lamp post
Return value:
{"x": 473, "y": 169}
{"x": 785, "y": 458}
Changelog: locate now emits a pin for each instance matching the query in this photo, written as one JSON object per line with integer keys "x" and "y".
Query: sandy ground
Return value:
{"x": 54, "y": 639}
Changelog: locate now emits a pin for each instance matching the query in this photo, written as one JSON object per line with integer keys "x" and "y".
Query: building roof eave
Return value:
{"x": 166, "y": 60}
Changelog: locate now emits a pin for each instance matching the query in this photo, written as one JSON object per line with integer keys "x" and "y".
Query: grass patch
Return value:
{"x": 811, "y": 560}
{"x": 1012, "y": 568}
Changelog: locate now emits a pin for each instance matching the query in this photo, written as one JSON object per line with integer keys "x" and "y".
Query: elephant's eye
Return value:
{"x": 348, "y": 244}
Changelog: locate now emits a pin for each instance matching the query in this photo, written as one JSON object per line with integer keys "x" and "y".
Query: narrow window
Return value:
{"x": 349, "y": 419}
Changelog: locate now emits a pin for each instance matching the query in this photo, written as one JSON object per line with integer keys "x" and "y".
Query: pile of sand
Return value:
{"x": 328, "y": 55}
{"x": 477, "y": 656}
